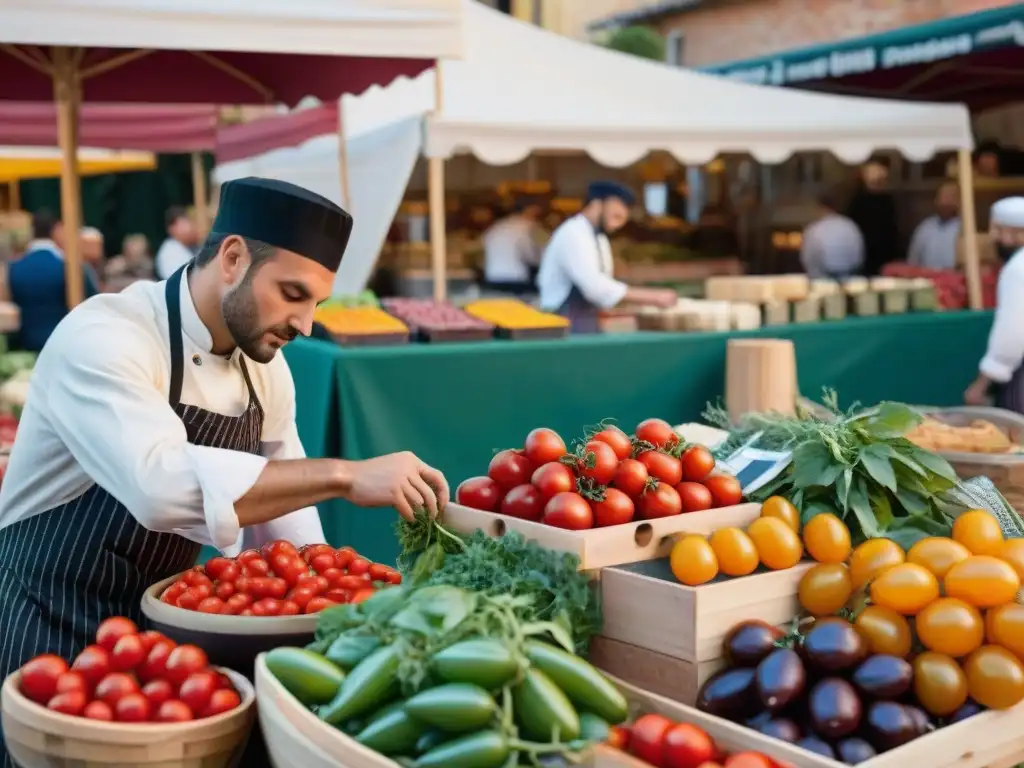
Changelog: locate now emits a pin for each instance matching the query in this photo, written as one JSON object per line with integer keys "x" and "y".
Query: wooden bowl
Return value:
{"x": 296, "y": 738}
{"x": 229, "y": 641}
{"x": 39, "y": 738}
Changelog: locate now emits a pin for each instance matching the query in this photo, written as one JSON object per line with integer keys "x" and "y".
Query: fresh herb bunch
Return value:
{"x": 551, "y": 587}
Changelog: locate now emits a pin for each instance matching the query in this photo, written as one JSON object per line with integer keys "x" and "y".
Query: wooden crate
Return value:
{"x": 646, "y": 606}
{"x": 895, "y": 302}
{"x": 988, "y": 740}
{"x": 864, "y": 304}
{"x": 648, "y": 670}
{"x": 602, "y": 547}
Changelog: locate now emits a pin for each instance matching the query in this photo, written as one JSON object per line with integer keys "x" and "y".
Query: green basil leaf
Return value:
{"x": 891, "y": 420}
{"x": 811, "y": 461}
{"x": 915, "y": 504}
{"x": 934, "y": 464}
{"x": 882, "y": 508}
{"x": 875, "y": 460}
{"x": 843, "y": 487}
{"x": 860, "y": 505}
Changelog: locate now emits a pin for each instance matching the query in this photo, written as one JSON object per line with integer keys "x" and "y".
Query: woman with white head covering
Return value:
{"x": 1002, "y": 364}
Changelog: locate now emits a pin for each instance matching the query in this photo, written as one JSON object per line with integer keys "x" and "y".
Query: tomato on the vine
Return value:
{"x": 660, "y": 501}
{"x": 697, "y": 463}
{"x": 726, "y": 490}
{"x": 657, "y": 432}
{"x": 618, "y": 440}
{"x": 631, "y": 477}
{"x": 553, "y": 478}
{"x": 524, "y": 502}
{"x": 543, "y": 445}
{"x": 597, "y": 462}
{"x": 510, "y": 468}
{"x": 569, "y": 510}
{"x": 39, "y": 676}
{"x": 694, "y": 497}
{"x": 477, "y": 493}
{"x": 647, "y": 739}
{"x": 615, "y": 508}
{"x": 662, "y": 467}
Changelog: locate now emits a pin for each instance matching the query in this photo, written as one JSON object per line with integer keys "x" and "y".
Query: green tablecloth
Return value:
{"x": 454, "y": 405}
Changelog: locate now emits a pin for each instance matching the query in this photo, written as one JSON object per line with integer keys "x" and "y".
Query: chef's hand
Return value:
{"x": 666, "y": 298}
{"x": 977, "y": 393}
{"x": 400, "y": 480}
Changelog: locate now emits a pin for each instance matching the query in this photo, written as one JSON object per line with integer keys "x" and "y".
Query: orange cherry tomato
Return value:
{"x": 736, "y": 553}
{"x": 885, "y": 630}
{"x": 951, "y": 627}
{"x": 906, "y": 588}
{"x": 825, "y": 588}
{"x": 1004, "y": 626}
{"x": 979, "y": 531}
{"x": 693, "y": 561}
{"x": 778, "y": 546}
{"x": 827, "y": 539}
{"x": 983, "y": 581}
{"x": 776, "y": 506}
{"x": 1012, "y": 552}
{"x": 995, "y": 677}
{"x": 873, "y": 557}
{"x": 939, "y": 683}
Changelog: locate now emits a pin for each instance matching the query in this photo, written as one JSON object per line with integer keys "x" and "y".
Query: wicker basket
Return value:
{"x": 39, "y": 738}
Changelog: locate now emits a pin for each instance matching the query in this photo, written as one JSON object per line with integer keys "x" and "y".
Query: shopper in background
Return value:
{"x": 512, "y": 251}
{"x": 832, "y": 246}
{"x": 92, "y": 254}
{"x": 873, "y": 209}
{"x": 1000, "y": 371}
{"x": 180, "y": 246}
{"x": 934, "y": 242}
{"x": 575, "y": 278}
{"x": 133, "y": 263}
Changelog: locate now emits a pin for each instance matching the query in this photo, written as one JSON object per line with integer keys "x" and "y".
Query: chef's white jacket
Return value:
{"x": 577, "y": 256}
{"x": 98, "y": 412}
{"x": 1005, "y": 352}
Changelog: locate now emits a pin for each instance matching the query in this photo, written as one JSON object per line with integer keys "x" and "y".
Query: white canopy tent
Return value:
{"x": 519, "y": 89}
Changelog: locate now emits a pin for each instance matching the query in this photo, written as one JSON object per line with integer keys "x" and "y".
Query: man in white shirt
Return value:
{"x": 833, "y": 246}
{"x": 934, "y": 242}
{"x": 1001, "y": 365}
{"x": 161, "y": 418}
{"x": 179, "y": 247}
{"x": 511, "y": 250}
{"x": 575, "y": 278}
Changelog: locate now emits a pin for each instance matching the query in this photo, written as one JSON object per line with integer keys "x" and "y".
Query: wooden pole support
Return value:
{"x": 67, "y": 91}
{"x": 200, "y": 194}
{"x": 969, "y": 227}
{"x": 435, "y": 198}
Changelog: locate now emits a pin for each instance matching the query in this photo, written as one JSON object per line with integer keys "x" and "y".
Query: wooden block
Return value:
{"x": 895, "y": 302}
{"x": 833, "y": 307}
{"x": 651, "y": 671}
{"x": 865, "y": 304}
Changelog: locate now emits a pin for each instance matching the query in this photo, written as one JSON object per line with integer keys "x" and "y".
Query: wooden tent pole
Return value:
{"x": 969, "y": 227}
{"x": 435, "y": 198}
{"x": 346, "y": 191}
{"x": 67, "y": 90}
{"x": 200, "y": 194}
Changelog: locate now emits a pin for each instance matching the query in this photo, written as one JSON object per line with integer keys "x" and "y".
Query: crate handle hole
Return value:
{"x": 643, "y": 535}
{"x": 666, "y": 542}
{"x": 499, "y": 528}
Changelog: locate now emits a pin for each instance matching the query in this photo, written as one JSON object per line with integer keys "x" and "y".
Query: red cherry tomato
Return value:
{"x": 631, "y": 477}
{"x": 362, "y": 595}
{"x": 394, "y": 577}
{"x": 378, "y": 572}
{"x": 618, "y": 440}
{"x": 317, "y": 604}
{"x": 272, "y": 549}
{"x": 260, "y": 586}
{"x": 158, "y": 691}
{"x": 569, "y": 510}
{"x": 191, "y": 599}
{"x": 223, "y": 681}
{"x": 647, "y": 739}
{"x": 268, "y": 606}
{"x": 242, "y": 585}
{"x": 289, "y": 608}
{"x": 173, "y": 711}
{"x": 231, "y": 573}
{"x": 246, "y": 612}
{"x": 223, "y": 700}
{"x": 598, "y": 462}
{"x": 524, "y": 502}
{"x": 39, "y": 676}
{"x": 332, "y": 575}
{"x": 211, "y": 605}
{"x": 150, "y": 638}
{"x": 195, "y": 577}
{"x": 302, "y": 595}
{"x": 94, "y": 664}
{"x": 543, "y": 445}
{"x": 236, "y": 604}
{"x": 697, "y": 463}
{"x": 129, "y": 652}
{"x": 248, "y": 555}
{"x": 339, "y": 596}
{"x": 224, "y": 590}
{"x": 132, "y": 708}
{"x": 115, "y": 685}
{"x": 277, "y": 588}
{"x": 351, "y": 583}
{"x": 618, "y": 737}
{"x": 616, "y": 509}
{"x": 553, "y": 478}
{"x": 155, "y": 665}
{"x": 687, "y": 746}
{"x": 308, "y": 553}
{"x": 694, "y": 497}
{"x": 478, "y": 493}
{"x": 216, "y": 566}
{"x": 98, "y": 710}
{"x": 73, "y": 681}
{"x": 344, "y": 556}
{"x": 173, "y": 592}
{"x": 197, "y": 689}
{"x": 660, "y": 501}
{"x": 725, "y": 490}
{"x": 509, "y": 469}
{"x": 359, "y": 566}
{"x": 113, "y": 629}
{"x": 662, "y": 467}
{"x": 70, "y": 703}
{"x": 183, "y": 661}
{"x": 256, "y": 566}
{"x": 657, "y": 432}
{"x": 321, "y": 563}
{"x": 749, "y": 760}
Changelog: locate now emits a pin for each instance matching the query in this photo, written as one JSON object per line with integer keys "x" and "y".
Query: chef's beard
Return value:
{"x": 241, "y": 317}
{"x": 1006, "y": 252}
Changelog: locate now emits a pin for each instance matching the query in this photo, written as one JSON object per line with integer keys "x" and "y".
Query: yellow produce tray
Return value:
{"x": 514, "y": 315}
{"x": 355, "y": 321}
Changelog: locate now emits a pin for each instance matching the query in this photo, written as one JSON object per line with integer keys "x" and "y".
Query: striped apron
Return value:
{"x": 65, "y": 570}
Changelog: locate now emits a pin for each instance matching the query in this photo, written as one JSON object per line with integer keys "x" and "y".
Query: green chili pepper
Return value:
{"x": 454, "y": 708}
{"x": 395, "y": 732}
{"x": 307, "y": 676}
{"x": 484, "y": 749}
{"x": 368, "y": 686}
{"x": 487, "y": 663}
{"x": 585, "y": 686}
{"x": 543, "y": 710}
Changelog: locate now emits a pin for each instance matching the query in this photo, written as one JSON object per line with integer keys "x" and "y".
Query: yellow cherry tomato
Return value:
{"x": 872, "y": 558}
{"x": 778, "y": 545}
{"x": 937, "y": 554}
{"x": 979, "y": 531}
{"x": 939, "y": 683}
{"x": 995, "y": 677}
{"x": 951, "y": 627}
{"x": 1012, "y": 552}
{"x": 1004, "y": 626}
{"x": 783, "y": 509}
{"x": 825, "y": 588}
{"x": 693, "y": 561}
{"x": 982, "y": 581}
{"x": 885, "y": 630}
{"x": 906, "y": 588}
{"x": 827, "y": 539}
{"x": 736, "y": 553}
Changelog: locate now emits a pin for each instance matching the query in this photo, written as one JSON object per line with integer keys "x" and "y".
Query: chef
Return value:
{"x": 162, "y": 418}
{"x": 1002, "y": 364}
{"x": 575, "y": 278}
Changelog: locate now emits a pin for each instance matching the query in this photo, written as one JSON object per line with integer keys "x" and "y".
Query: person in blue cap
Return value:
{"x": 161, "y": 418}
{"x": 576, "y": 271}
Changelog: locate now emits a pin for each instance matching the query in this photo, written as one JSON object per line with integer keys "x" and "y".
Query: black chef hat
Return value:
{"x": 602, "y": 190}
{"x": 285, "y": 216}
